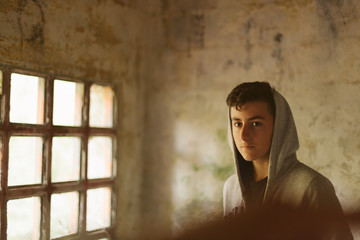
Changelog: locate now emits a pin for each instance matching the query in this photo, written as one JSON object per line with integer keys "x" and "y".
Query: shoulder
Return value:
{"x": 231, "y": 187}
{"x": 309, "y": 176}
{"x": 231, "y": 182}
{"x": 300, "y": 182}
{"x": 319, "y": 189}
{"x": 231, "y": 194}
{"x": 321, "y": 197}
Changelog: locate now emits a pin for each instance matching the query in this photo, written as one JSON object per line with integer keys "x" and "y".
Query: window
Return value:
{"x": 58, "y": 157}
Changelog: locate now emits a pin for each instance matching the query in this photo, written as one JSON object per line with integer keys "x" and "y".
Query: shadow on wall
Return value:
{"x": 158, "y": 163}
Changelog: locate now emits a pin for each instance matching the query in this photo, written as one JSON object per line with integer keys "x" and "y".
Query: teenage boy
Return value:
{"x": 263, "y": 139}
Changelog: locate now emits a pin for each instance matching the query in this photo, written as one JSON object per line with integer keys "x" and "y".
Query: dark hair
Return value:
{"x": 251, "y": 92}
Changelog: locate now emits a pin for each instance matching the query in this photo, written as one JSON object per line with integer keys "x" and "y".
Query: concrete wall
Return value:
{"x": 174, "y": 63}
{"x": 107, "y": 40}
{"x": 308, "y": 50}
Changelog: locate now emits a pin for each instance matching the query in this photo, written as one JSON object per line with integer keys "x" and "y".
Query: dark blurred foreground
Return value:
{"x": 275, "y": 223}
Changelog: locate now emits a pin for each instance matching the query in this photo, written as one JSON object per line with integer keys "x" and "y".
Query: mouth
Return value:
{"x": 247, "y": 146}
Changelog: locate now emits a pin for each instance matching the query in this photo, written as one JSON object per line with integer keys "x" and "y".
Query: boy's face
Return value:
{"x": 252, "y": 129}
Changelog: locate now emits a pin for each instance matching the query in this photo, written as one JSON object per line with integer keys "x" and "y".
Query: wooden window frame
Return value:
{"x": 47, "y": 131}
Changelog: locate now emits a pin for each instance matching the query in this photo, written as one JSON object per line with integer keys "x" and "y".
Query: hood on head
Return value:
{"x": 283, "y": 148}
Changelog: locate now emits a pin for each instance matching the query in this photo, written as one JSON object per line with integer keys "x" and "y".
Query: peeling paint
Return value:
{"x": 105, "y": 35}
{"x": 248, "y": 45}
{"x": 277, "y": 53}
{"x": 80, "y": 29}
{"x": 229, "y": 63}
{"x": 165, "y": 6}
{"x": 31, "y": 23}
{"x": 84, "y": 40}
{"x": 335, "y": 16}
{"x": 147, "y": 56}
{"x": 196, "y": 37}
{"x": 326, "y": 7}
{"x": 124, "y": 3}
{"x": 346, "y": 167}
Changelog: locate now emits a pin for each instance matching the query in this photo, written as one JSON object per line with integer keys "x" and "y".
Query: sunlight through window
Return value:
{"x": 99, "y": 157}
{"x": 26, "y": 99}
{"x": 57, "y": 140}
{"x": 23, "y": 218}
{"x": 68, "y": 98}
{"x": 25, "y": 157}
{"x": 64, "y": 214}
{"x": 65, "y": 159}
{"x": 98, "y": 208}
{"x": 101, "y": 106}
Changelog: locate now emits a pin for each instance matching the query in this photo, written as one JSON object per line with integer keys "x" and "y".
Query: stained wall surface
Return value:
{"x": 308, "y": 50}
{"x": 174, "y": 63}
{"x": 105, "y": 41}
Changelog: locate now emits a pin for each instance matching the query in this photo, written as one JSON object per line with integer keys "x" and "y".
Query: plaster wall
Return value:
{"x": 308, "y": 50}
{"x": 174, "y": 63}
{"x": 105, "y": 41}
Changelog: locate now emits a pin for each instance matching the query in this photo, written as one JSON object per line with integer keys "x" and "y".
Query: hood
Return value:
{"x": 283, "y": 149}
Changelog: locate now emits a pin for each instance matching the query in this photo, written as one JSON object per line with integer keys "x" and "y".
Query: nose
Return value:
{"x": 245, "y": 133}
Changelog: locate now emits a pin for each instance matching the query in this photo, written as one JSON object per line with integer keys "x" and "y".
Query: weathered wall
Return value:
{"x": 309, "y": 50}
{"x": 101, "y": 40}
{"x": 174, "y": 63}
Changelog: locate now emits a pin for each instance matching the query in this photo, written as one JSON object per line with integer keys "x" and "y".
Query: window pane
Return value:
{"x": 98, "y": 208}
{"x": 23, "y": 216}
{"x": 101, "y": 106}
{"x": 68, "y": 102}
{"x": 64, "y": 214}
{"x": 26, "y": 99}
{"x": 99, "y": 157}
{"x": 25, "y": 155}
{"x": 65, "y": 164}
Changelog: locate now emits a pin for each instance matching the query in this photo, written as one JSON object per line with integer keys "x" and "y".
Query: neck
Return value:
{"x": 261, "y": 169}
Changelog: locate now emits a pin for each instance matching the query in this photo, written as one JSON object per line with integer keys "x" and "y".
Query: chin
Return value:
{"x": 248, "y": 158}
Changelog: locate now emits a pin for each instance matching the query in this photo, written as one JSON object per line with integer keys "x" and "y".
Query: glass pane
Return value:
{"x": 25, "y": 157}
{"x": 23, "y": 216}
{"x": 98, "y": 208}
{"x": 64, "y": 214}
{"x": 101, "y": 106}
{"x": 68, "y": 102}
{"x": 99, "y": 157}
{"x": 65, "y": 164}
{"x": 26, "y": 99}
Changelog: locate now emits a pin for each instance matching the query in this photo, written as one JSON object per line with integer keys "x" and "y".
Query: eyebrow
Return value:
{"x": 250, "y": 119}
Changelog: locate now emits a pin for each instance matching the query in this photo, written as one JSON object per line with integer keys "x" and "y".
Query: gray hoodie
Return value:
{"x": 290, "y": 182}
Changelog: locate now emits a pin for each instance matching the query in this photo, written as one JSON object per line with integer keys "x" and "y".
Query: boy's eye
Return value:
{"x": 256, "y": 124}
{"x": 237, "y": 124}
